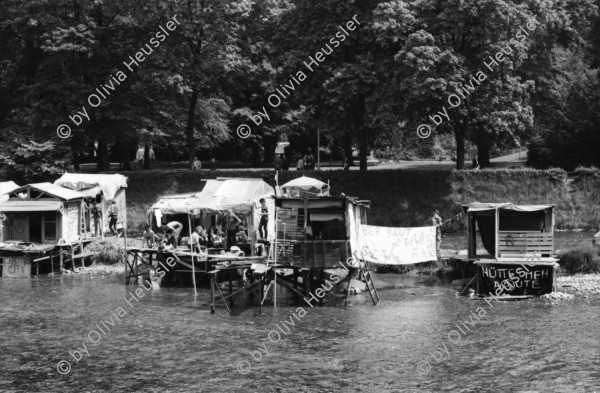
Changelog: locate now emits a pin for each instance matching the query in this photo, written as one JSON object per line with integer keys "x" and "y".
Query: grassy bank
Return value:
{"x": 405, "y": 197}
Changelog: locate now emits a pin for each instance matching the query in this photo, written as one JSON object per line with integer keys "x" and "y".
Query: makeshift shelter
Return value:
{"x": 5, "y": 188}
{"x": 318, "y": 232}
{"x": 216, "y": 198}
{"x": 103, "y": 189}
{"x": 518, "y": 247}
{"x": 305, "y": 186}
{"x": 42, "y": 213}
{"x": 511, "y": 230}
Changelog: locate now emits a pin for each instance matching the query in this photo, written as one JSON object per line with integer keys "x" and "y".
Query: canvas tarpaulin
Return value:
{"x": 109, "y": 184}
{"x": 218, "y": 196}
{"x": 396, "y": 246}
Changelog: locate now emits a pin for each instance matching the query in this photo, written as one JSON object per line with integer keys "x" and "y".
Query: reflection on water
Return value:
{"x": 169, "y": 342}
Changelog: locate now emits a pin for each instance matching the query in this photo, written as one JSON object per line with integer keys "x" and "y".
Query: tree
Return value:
{"x": 443, "y": 79}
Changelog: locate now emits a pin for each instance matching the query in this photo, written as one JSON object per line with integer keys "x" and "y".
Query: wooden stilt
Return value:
{"x": 230, "y": 288}
{"x": 193, "y": 258}
{"x": 261, "y": 288}
{"x": 213, "y": 276}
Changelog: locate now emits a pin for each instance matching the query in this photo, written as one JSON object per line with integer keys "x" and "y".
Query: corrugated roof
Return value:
{"x": 30, "y": 206}
{"x": 53, "y": 190}
{"x": 480, "y": 207}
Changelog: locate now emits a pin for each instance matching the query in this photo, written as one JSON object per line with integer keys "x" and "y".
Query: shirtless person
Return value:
{"x": 172, "y": 231}
{"x": 149, "y": 238}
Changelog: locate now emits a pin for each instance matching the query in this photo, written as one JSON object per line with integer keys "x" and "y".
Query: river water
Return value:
{"x": 417, "y": 339}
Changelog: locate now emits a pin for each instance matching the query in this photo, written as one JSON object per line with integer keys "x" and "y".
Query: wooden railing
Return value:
{"x": 525, "y": 243}
{"x": 312, "y": 253}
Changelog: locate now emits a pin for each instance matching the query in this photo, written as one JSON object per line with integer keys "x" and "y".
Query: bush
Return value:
{"x": 105, "y": 252}
{"x": 581, "y": 260}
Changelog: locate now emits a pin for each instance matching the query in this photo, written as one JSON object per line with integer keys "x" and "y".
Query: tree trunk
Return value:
{"x": 103, "y": 163}
{"x": 459, "y": 136}
{"x": 348, "y": 147}
{"x": 125, "y": 155}
{"x": 76, "y": 159}
{"x": 483, "y": 155}
{"x": 191, "y": 126}
{"x": 255, "y": 153}
{"x": 146, "y": 156}
{"x": 363, "y": 151}
{"x": 269, "y": 144}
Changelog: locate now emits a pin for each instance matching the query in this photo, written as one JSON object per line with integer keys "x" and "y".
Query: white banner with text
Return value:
{"x": 396, "y": 246}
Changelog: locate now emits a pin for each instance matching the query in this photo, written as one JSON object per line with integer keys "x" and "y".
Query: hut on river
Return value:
{"x": 513, "y": 248}
{"x": 103, "y": 189}
{"x": 41, "y": 221}
{"x": 207, "y": 207}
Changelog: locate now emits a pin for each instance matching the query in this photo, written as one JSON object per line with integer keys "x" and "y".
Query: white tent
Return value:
{"x": 305, "y": 185}
{"x": 218, "y": 196}
{"x": 108, "y": 184}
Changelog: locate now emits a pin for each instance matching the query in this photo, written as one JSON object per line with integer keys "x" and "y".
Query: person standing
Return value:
{"x": 346, "y": 164}
{"x": 86, "y": 213}
{"x": 96, "y": 215}
{"x": 278, "y": 162}
{"x": 286, "y": 163}
{"x": 436, "y": 221}
{"x": 309, "y": 162}
{"x": 231, "y": 223}
{"x": 264, "y": 219}
{"x": 113, "y": 215}
{"x": 300, "y": 164}
{"x": 172, "y": 231}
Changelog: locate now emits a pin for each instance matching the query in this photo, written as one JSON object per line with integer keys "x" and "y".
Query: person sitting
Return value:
{"x": 241, "y": 236}
{"x": 215, "y": 237}
{"x": 149, "y": 238}
{"x": 198, "y": 239}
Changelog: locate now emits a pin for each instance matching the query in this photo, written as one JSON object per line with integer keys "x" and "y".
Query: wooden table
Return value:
{"x": 39, "y": 250}
{"x": 69, "y": 249}
{"x": 238, "y": 263}
{"x": 132, "y": 268}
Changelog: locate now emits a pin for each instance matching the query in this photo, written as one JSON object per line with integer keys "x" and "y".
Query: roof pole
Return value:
{"x": 192, "y": 247}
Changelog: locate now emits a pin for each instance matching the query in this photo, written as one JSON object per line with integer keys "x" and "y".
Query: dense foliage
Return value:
{"x": 208, "y": 66}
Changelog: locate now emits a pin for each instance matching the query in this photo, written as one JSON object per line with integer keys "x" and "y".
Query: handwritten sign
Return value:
{"x": 516, "y": 280}
{"x": 72, "y": 217}
{"x": 396, "y": 246}
{"x": 16, "y": 267}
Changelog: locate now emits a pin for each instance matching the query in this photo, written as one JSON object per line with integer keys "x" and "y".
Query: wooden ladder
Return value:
{"x": 82, "y": 223}
{"x": 370, "y": 286}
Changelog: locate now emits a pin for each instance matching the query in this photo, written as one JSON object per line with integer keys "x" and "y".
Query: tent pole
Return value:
{"x": 275, "y": 261}
{"x": 192, "y": 248}
{"x": 102, "y": 218}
